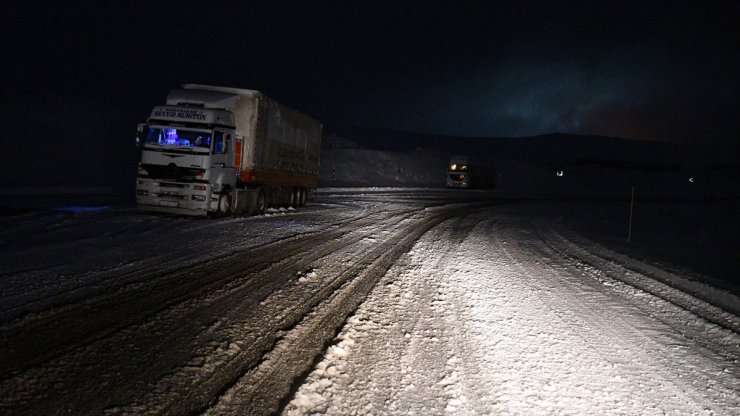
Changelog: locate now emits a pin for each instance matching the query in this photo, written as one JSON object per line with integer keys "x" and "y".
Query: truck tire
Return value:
{"x": 224, "y": 203}
{"x": 261, "y": 202}
{"x": 293, "y": 197}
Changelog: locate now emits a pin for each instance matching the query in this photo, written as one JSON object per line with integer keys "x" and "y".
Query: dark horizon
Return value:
{"x": 666, "y": 71}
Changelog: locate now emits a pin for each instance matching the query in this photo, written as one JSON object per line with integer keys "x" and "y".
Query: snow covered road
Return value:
{"x": 366, "y": 302}
{"x": 482, "y": 317}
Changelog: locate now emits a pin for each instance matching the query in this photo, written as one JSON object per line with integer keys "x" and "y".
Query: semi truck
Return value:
{"x": 225, "y": 151}
{"x": 458, "y": 172}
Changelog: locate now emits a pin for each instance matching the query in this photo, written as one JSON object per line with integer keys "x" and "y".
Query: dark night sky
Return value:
{"x": 659, "y": 70}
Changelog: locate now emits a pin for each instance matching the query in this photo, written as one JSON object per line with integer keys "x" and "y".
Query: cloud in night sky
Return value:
{"x": 622, "y": 93}
{"x": 663, "y": 71}
{"x": 516, "y": 98}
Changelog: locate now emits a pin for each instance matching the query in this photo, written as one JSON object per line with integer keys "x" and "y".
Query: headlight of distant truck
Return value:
{"x": 453, "y": 166}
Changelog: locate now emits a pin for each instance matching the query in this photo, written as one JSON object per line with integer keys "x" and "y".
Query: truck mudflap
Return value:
{"x": 245, "y": 201}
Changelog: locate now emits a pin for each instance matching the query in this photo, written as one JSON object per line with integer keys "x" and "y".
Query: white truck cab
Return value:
{"x": 187, "y": 156}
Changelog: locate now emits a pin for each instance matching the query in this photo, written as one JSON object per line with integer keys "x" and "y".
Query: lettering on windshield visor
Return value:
{"x": 180, "y": 113}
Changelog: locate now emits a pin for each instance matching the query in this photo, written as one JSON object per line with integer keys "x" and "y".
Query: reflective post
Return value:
{"x": 632, "y": 204}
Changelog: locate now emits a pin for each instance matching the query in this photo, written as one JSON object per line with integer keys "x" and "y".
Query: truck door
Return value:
{"x": 223, "y": 171}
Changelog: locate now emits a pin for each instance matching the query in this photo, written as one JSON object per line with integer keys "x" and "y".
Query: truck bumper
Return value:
{"x": 174, "y": 197}
{"x": 453, "y": 184}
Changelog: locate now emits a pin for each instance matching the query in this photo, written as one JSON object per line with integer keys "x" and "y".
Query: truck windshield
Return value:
{"x": 166, "y": 136}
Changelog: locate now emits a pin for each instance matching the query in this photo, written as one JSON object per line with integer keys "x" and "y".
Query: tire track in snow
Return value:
{"x": 130, "y": 287}
{"x": 678, "y": 334}
{"x": 398, "y": 347}
{"x": 635, "y": 344}
{"x": 100, "y": 348}
{"x": 64, "y": 283}
{"x": 257, "y": 323}
{"x": 439, "y": 342}
{"x": 262, "y": 389}
{"x": 659, "y": 283}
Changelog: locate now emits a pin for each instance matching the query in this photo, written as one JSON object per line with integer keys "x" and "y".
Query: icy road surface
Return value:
{"x": 366, "y": 302}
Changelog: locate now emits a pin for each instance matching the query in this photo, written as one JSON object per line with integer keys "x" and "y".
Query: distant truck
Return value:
{"x": 225, "y": 151}
{"x": 458, "y": 172}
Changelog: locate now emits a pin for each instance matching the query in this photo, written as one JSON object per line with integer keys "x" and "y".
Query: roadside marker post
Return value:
{"x": 632, "y": 204}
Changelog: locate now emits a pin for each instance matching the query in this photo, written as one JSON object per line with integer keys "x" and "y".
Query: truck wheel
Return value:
{"x": 261, "y": 202}
{"x": 224, "y": 203}
{"x": 293, "y": 197}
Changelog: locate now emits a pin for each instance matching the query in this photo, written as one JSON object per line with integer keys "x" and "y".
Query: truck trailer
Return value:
{"x": 225, "y": 151}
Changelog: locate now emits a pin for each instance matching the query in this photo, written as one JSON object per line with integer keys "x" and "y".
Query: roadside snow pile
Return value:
{"x": 306, "y": 276}
{"x": 368, "y": 167}
{"x": 279, "y": 211}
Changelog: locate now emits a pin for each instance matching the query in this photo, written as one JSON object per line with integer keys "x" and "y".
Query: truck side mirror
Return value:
{"x": 141, "y": 135}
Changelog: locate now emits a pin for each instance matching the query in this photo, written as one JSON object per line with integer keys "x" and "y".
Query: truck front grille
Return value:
{"x": 172, "y": 172}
